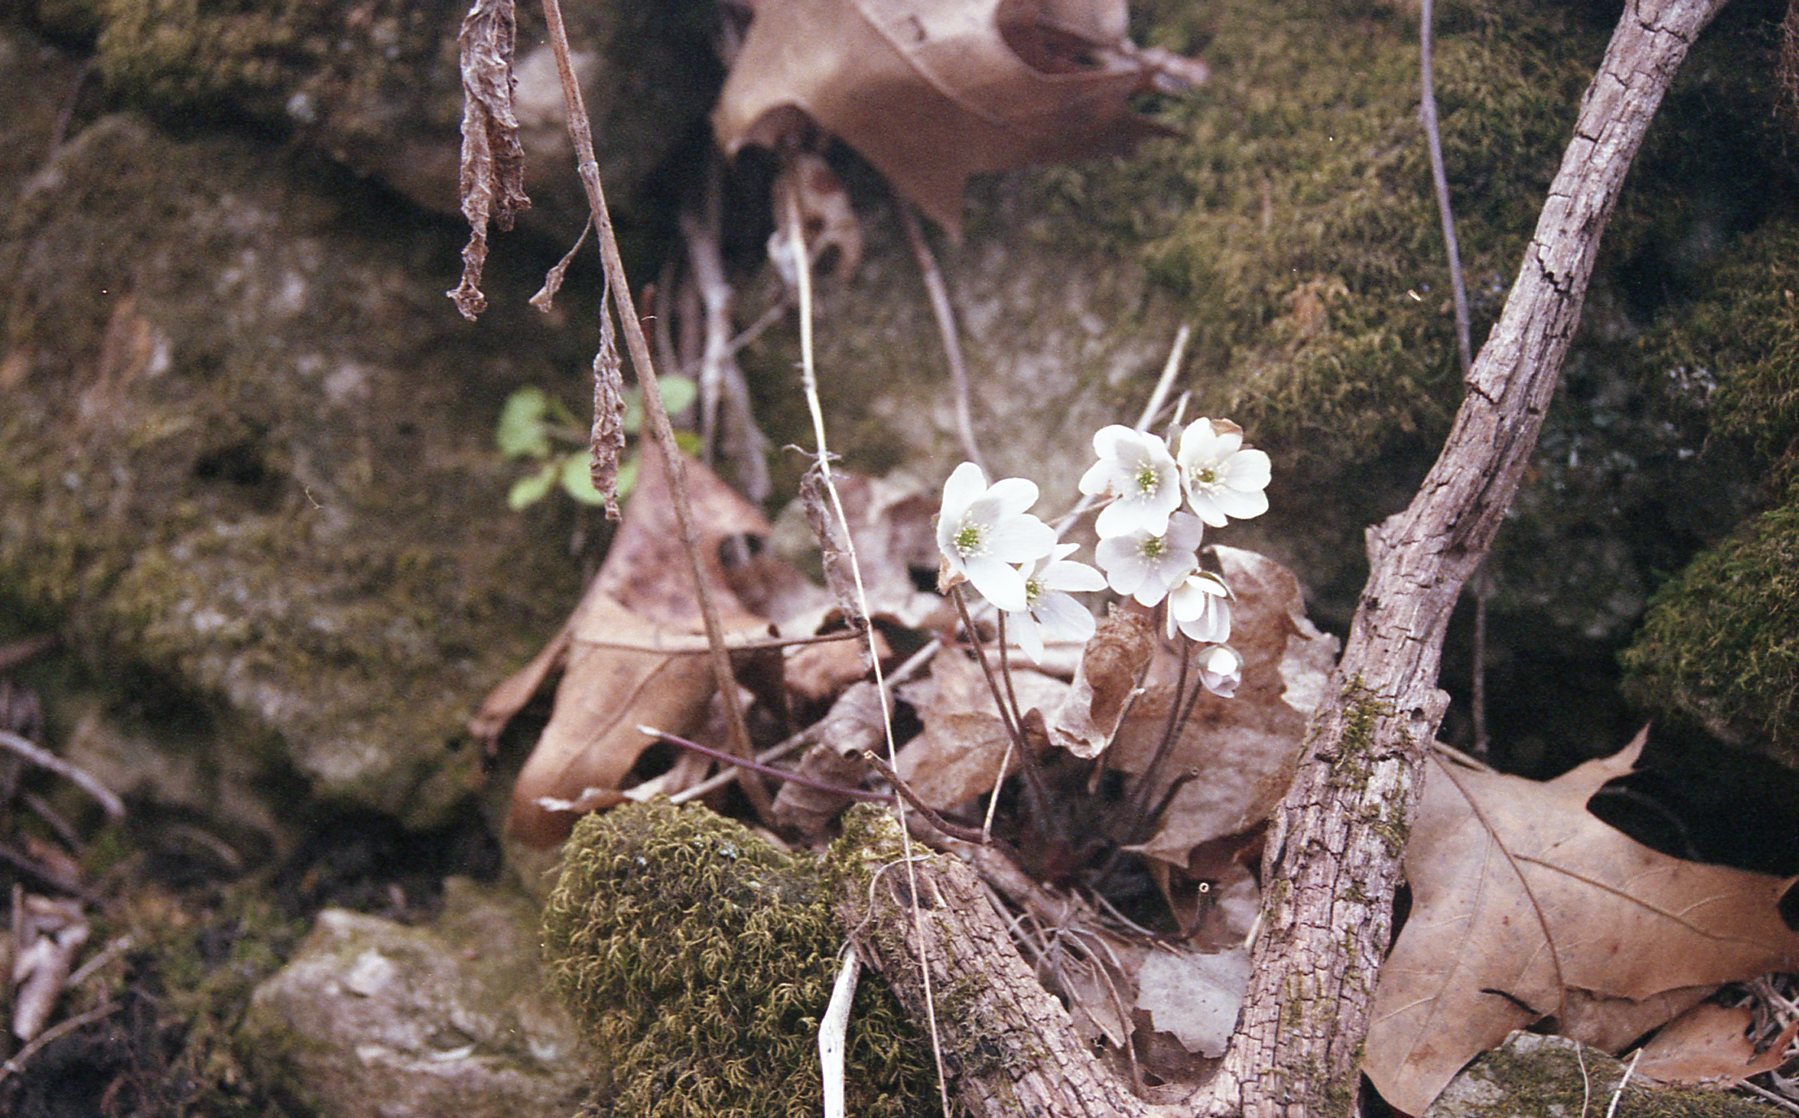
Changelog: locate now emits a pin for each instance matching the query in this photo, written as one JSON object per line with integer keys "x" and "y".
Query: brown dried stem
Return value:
{"x": 656, "y": 416}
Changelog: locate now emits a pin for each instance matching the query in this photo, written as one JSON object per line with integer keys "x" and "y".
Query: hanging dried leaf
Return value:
{"x": 492, "y": 179}
{"x": 606, "y": 441}
{"x": 592, "y": 741}
{"x": 933, "y": 91}
{"x": 890, "y": 523}
{"x": 1519, "y": 895}
{"x": 1244, "y": 748}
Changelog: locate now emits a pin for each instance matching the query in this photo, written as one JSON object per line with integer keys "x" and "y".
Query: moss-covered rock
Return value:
{"x": 376, "y": 85}
{"x": 247, "y": 447}
{"x": 1553, "y": 1077}
{"x": 699, "y": 959}
{"x": 1719, "y": 646}
{"x": 374, "y": 1017}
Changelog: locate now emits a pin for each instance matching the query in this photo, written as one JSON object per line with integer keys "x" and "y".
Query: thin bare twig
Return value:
{"x": 55, "y": 1033}
{"x": 581, "y": 132}
{"x": 809, "y": 382}
{"x": 109, "y": 801}
{"x": 804, "y": 781}
{"x": 1427, "y": 110}
{"x": 945, "y": 314}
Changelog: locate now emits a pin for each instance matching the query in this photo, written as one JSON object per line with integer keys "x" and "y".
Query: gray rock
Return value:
{"x": 376, "y": 1018}
{"x": 248, "y": 446}
{"x": 377, "y": 86}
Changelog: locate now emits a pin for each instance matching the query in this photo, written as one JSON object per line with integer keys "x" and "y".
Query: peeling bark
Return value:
{"x": 1332, "y": 861}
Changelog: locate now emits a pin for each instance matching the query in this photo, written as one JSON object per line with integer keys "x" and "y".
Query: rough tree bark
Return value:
{"x": 1332, "y": 860}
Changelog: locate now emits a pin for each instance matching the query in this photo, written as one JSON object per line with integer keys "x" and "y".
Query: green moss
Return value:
{"x": 1719, "y": 647}
{"x": 699, "y": 959}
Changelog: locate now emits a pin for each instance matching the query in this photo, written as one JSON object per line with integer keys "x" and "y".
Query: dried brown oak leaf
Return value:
{"x": 631, "y": 653}
{"x": 1711, "y": 1046}
{"x": 957, "y": 756}
{"x": 1520, "y": 895}
{"x": 933, "y": 91}
{"x": 592, "y": 741}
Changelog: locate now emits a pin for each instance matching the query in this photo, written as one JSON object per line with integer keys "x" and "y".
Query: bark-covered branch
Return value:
{"x": 1009, "y": 1047}
{"x": 1332, "y": 861}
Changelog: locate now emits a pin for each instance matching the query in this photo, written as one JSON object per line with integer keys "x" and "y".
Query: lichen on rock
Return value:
{"x": 698, "y": 960}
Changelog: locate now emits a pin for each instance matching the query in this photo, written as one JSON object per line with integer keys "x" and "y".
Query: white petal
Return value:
{"x": 964, "y": 486}
{"x": 1012, "y": 495}
{"x": 1021, "y": 539}
{"x": 1240, "y": 504}
{"x": 1201, "y": 502}
{"x": 1247, "y": 469}
{"x": 1063, "y": 617}
{"x": 1185, "y": 532}
{"x": 1122, "y": 517}
{"x": 1021, "y": 627}
{"x": 1067, "y": 575}
{"x": 1098, "y": 478}
{"x": 997, "y": 581}
{"x": 1108, "y": 440}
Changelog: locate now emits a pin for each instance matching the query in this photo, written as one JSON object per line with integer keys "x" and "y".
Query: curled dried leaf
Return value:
{"x": 607, "y": 440}
{"x": 832, "y": 231}
{"x": 854, "y": 724}
{"x": 492, "y": 177}
{"x": 1111, "y": 665}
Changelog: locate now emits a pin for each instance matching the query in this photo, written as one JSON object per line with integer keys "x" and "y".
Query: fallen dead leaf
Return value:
{"x": 933, "y": 91}
{"x": 957, "y": 756}
{"x": 1519, "y": 894}
{"x": 1711, "y": 1046}
{"x": 592, "y": 741}
{"x": 1243, "y": 748}
{"x": 1609, "y": 1024}
{"x": 1194, "y": 996}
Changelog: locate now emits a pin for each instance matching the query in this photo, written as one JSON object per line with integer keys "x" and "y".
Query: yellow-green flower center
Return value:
{"x": 1033, "y": 589}
{"x": 1153, "y": 547}
{"x": 970, "y": 541}
{"x": 1148, "y": 480}
{"x": 1206, "y": 475}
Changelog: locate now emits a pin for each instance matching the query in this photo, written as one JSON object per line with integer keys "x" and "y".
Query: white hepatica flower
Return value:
{"x": 1200, "y": 608}
{"x": 1145, "y": 565}
{"x": 1049, "y": 610}
{"x": 1223, "y": 478}
{"x": 983, "y": 530}
{"x": 1137, "y": 469}
{"x": 1220, "y": 670}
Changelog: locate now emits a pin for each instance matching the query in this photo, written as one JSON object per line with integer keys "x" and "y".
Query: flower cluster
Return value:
{"x": 1148, "y": 544}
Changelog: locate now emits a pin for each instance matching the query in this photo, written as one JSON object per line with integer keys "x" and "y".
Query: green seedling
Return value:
{"x": 538, "y": 428}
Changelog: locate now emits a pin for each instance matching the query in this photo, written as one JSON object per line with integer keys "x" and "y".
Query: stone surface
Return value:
{"x": 1554, "y": 1077}
{"x": 371, "y": 1017}
{"x": 248, "y": 448}
{"x": 375, "y": 83}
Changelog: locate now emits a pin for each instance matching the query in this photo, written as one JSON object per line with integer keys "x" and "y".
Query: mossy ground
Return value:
{"x": 699, "y": 960}
{"x": 1543, "y": 1076}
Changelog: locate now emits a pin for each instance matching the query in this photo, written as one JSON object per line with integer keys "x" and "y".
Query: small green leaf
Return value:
{"x": 627, "y": 477}
{"x": 632, "y": 421}
{"x": 532, "y": 488}
{"x": 678, "y": 393}
{"x": 521, "y": 432}
{"x": 689, "y": 442}
{"x": 577, "y": 480}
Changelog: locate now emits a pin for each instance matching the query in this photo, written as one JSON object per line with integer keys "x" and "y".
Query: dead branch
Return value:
{"x": 1009, "y": 1047}
{"x": 656, "y": 416}
{"x": 23, "y": 747}
{"x": 1332, "y": 860}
